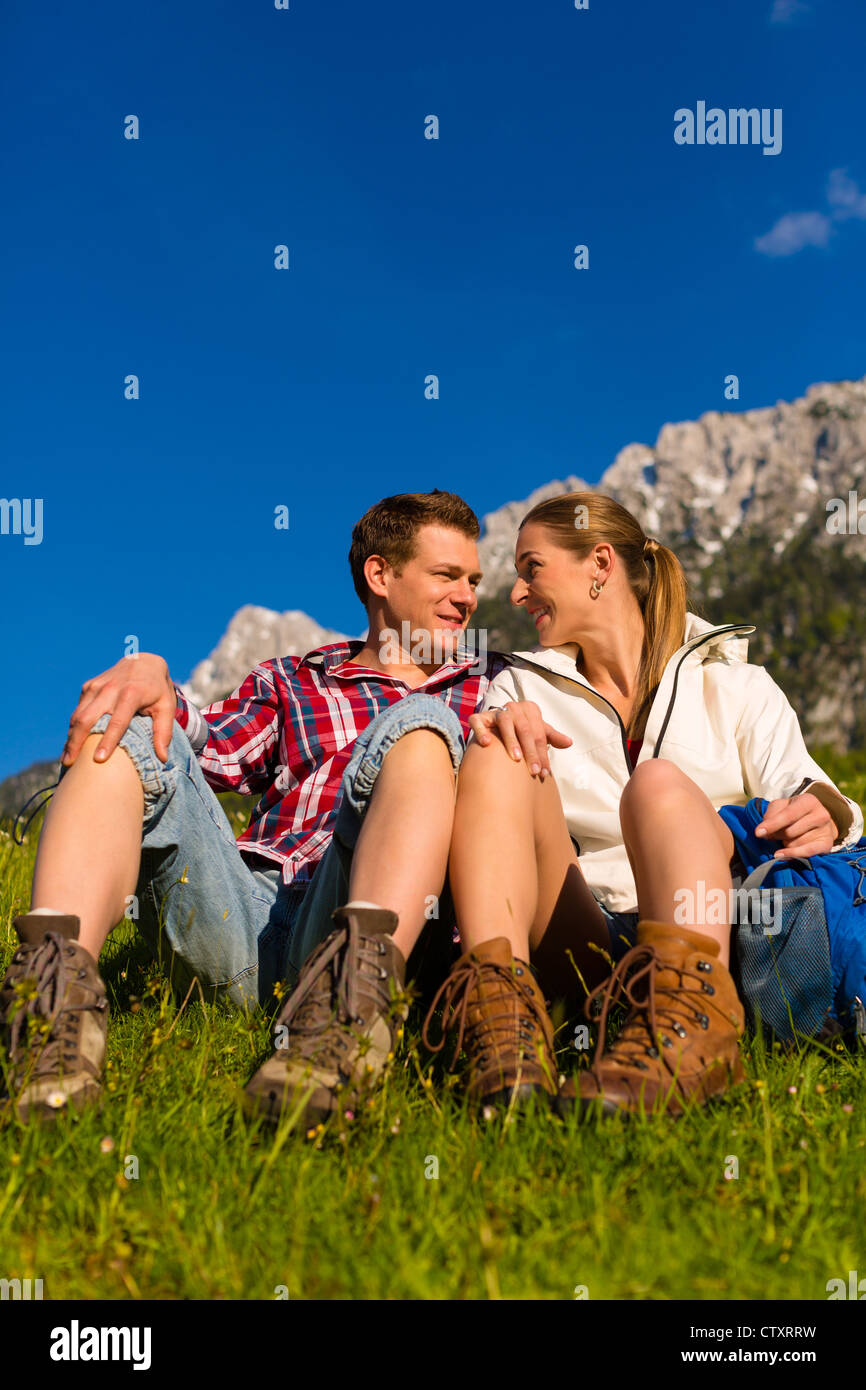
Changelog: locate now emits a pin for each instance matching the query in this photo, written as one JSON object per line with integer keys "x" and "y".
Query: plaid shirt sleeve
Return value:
{"x": 236, "y": 739}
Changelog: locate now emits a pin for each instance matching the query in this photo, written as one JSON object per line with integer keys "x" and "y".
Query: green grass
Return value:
{"x": 527, "y": 1209}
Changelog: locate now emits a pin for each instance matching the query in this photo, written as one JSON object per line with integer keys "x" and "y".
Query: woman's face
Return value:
{"x": 552, "y": 585}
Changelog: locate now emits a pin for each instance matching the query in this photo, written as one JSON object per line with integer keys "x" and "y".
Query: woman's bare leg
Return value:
{"x": 514, "y": 872}
{"x": 677, "y": 845}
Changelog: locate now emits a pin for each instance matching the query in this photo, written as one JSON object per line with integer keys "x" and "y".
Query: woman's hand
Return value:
{"x": 522, "y": 730}
{"x": 802, "y": 823}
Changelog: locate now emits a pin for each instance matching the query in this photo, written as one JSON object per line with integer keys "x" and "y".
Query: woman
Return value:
{"x": 656, "y": 720}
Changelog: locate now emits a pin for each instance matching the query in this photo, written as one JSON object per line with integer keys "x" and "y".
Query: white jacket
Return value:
{"x": 724, "y": 722}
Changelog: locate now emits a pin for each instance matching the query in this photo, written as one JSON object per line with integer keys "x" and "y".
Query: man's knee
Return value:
{"x": 421, "y": 714}
{"x": 107, "y": 768}
{"x": 414, "y": 714}
{"x": 137, "y": 740}
{"x": 421, "y": 745}
{"x": 135, "y": 750}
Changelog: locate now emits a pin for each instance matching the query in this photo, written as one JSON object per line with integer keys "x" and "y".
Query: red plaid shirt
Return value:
{"x": 288, "y": 732}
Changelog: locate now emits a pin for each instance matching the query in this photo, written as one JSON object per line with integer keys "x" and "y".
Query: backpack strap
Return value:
{"x": 757, "y": 876}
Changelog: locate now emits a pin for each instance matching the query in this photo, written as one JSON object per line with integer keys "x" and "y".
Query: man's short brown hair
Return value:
{"x": 389, "y": 529}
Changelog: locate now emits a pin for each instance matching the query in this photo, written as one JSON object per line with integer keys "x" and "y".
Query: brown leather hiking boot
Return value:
{"x": 501, "y": 1020}
{"x": 54, "y": 1014}
{"x": 338, "y": 1029}
{"x": 679, "y": 1042}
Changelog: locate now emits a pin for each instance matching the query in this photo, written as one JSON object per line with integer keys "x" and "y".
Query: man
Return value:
{"x": 354, "y": 750}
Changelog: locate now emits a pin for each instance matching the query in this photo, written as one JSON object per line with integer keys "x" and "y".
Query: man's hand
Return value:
{"x": 523, "y": 731}
{"x": 136, "y": 685}
{"x": 802, "y": 823}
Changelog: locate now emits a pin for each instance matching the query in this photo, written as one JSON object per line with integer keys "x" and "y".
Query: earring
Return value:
{"x": 596, "y": 588}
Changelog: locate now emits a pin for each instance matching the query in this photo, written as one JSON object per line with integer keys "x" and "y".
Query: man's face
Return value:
{"x": 435, "y": 591}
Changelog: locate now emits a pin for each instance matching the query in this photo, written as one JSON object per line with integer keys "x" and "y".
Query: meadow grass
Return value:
{"x": 530, "y": 1208}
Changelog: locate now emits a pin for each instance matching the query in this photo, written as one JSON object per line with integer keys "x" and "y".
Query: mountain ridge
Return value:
{"x": 735, "y": 493}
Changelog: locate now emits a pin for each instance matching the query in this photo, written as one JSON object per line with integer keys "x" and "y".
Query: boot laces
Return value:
{"x": 48, "y": 966}
{"x": 672, "y": 1005}
{"x": 457, "y": 995}
{"x": 330, "y": 991}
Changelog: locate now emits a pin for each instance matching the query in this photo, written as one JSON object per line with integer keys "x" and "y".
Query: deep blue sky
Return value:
{"x": 408, "y": 256}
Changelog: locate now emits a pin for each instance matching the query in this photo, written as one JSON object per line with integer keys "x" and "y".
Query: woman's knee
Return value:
{"x": 653, "y": 788}
{"x": 493, "y": 764}
{"x": 661, "y": 795}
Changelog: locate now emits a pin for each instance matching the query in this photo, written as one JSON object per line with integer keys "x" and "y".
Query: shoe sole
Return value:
{"x": 272, "y": 1106}
{"x": 565, "y": 1107}
{"x": 79, "y": 1100}
{"x": 589, "y": 1106}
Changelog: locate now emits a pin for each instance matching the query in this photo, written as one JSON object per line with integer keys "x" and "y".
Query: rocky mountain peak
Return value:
{"x": 769, "y": 467}
{"x": 704, "y": 479}
{"x": 254, "y": 634}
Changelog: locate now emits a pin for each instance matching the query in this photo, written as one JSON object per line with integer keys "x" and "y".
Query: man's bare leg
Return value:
{"x": 90, "y": 849}
{"x": 86, "y": 867}
{"x": 401, "y": 855}
{"x": 398, "y": 865}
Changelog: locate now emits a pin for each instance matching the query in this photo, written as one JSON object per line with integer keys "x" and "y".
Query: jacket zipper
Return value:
{"x": 717, "y": 632}
{"x": 731, "y": 627}
{"x": 621, "y": 731}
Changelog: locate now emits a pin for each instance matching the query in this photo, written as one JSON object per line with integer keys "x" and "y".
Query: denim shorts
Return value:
{"x": 215, "y": 914}
{"x": 622, "y": 927}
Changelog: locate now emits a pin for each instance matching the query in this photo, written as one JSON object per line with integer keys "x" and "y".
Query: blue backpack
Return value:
{"x": 802, "y": 967}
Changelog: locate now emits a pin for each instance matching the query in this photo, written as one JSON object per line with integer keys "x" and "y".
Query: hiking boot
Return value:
{"x": 54, "y": 1014}
{"x": 339, "y": 1027}
{"x": 501, "y": 1020}
{"x": 679, "y": 1041}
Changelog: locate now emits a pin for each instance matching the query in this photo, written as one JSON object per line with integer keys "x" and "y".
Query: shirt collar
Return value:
{"x": 334, "y": 660}
{"x": 328, "y": 659}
